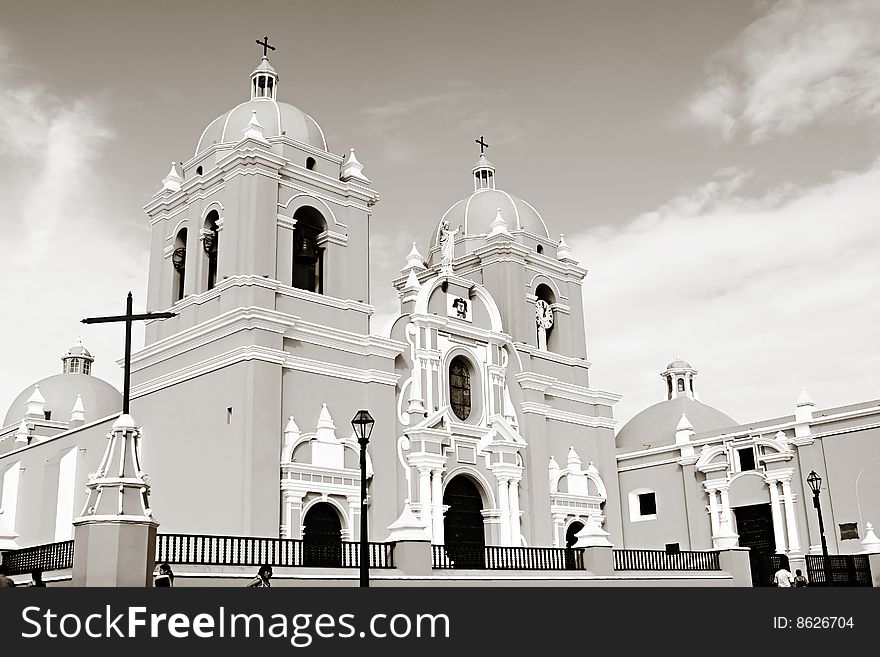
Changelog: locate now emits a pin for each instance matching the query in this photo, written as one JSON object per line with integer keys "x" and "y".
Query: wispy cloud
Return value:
{"x": 64, "y": 254}
{"x": 802, "y": 62}
{"x": 400, "y": 123}
{"x": 762, "y": 295}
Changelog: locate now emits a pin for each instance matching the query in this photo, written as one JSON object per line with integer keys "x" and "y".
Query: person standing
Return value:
{"x": 783, "y": 577}
{"x": 799, "y": 579}
{"x": 262, "y": 578}
{"x": 165, "y": 577}
{"x": 37, "y": 578}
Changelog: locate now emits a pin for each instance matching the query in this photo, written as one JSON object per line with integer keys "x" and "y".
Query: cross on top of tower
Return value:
{"x": 483, "y": 145}
{"x": 267, "y": 47}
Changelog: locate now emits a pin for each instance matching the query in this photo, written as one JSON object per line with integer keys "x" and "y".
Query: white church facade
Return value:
{"x": 488, "y": 429}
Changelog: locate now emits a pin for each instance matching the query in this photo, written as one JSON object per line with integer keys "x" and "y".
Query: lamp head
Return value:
{"x": 814, "y": 481}
{"x": 362, "y": 423}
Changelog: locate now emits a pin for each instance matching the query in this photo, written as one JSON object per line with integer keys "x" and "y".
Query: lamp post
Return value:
{"x": 362, "y": 423}
{"x": 814, "y": 481}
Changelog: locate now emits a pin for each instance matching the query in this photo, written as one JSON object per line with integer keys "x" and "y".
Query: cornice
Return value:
{"x": 551, "y": 356}
{"x": 551, "y": 413}
{"x": 550, "y": 385}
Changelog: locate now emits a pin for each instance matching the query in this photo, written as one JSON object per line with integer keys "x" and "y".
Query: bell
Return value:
{"x": 306, "y": 250}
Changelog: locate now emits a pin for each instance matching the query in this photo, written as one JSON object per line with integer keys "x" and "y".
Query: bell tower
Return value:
{"x": 260, "y": 245}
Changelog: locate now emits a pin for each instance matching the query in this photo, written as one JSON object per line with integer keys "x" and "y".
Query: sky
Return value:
{"x": 714, "y": 165}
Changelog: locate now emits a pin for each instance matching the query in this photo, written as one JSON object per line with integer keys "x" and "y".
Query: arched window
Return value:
{"x": 310, "y": 163}
{"x": 210, "y": 242}
{"x": 681, "y": 385}
{"x": 460, "y": 388}
{"x": 178, "y": 261}
{"x": 308, "y": 258}
{"x": 199, "y": 170}
{"x": 545, "y": 317}
{"x": 540, "y": 249}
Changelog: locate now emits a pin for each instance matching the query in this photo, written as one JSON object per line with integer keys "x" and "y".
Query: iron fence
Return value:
{"x": 51, "y": 556}
{"x": 663, "y": 560}
{"x": 493, "y": 557}
{"x": 252, "y": 551}
{"x": 845, "y": 570}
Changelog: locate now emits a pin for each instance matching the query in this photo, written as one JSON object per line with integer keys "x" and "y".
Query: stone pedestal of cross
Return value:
{"x": 114, "y": 539}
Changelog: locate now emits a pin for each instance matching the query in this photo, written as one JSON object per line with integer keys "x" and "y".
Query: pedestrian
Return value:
{"x": 783, "y": 577}
{"x": 799, "y": 579}
{"x": 263, "y": 577}
{"x": 164, "y": 578}
{"x": 5, "y": 581}
{"x": 37, "y": 578}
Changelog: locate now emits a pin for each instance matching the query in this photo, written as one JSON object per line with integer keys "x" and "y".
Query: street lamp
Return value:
{"x": 814, "y": 481}
{"x": 362, "y": 423}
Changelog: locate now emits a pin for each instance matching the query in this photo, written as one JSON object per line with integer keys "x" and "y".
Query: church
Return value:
{"x": 488, "y": 430}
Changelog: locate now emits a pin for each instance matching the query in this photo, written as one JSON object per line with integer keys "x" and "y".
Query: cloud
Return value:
{"x": 762, "y": 295}
{"x": 65, "y": 246}
{"x": 804, "y": 61}
{"x": 399, "y": 124}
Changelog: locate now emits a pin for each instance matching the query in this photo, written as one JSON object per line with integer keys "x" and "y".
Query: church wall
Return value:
{"x": 38, "y": 481}
{"x": 849, "y": 457}
{"x": 227, "y": 464}
{"x": 671, "y": 523}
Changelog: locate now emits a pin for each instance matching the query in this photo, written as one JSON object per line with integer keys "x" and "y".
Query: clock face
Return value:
{"x": 543, "y": 314}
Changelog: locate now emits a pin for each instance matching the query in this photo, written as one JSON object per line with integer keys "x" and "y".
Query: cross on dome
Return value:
{"x": 483, "y": 145}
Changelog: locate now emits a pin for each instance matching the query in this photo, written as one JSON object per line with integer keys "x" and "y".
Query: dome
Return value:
{"x": 476, "y": 213}
{"x": 100, "y": 399}
{"x": 78, "y": 350}
{"x": 276, "y": 118}
{"x": 656, "y": 424}
{"x": 679, "y": 365}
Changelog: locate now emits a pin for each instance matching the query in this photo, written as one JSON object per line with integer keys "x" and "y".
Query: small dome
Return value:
{"x": 276, "y": 118}
{"x": 656, "y": 424}
{"x": 679, "y": 365}
{"x": 60, "y": 391}
{"x": 476, "y": 213}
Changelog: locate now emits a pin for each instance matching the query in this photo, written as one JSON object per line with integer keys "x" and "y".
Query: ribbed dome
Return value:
{"x": 476, "y": 213}
{"x": 679, "y": 365}
{"x": 656, "y": 424}
{"x": 100, "y": 399}
{"x": 276, "y": 118}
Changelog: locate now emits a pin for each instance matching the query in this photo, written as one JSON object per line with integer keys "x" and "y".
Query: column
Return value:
{"x": 504, "y": 507}
{"x": 425, "y": 496}
{"x": 713, "y": 512}
{"x": 724, "y": 519}
{"x": 558, "y": 530}
{"x": 354, "y": 505}
{"x": 778, "y": 529}
{"x": 437, "y": 505}
{"x": 794, "y": 544}
{"x": 515, "y": 530}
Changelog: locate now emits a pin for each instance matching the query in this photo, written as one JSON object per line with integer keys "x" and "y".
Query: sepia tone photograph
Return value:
{"x": 439, "y": 294}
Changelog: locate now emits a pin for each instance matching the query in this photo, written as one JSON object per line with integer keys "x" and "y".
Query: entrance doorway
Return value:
{"x": 463, "y": 529}
{"x": 754, "y": 524}
{"x": 322, "y": 537}
{"x": 570, "y": 540}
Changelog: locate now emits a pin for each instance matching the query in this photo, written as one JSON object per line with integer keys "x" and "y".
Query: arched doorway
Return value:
{"x": 322, "y": 536}
{"x": 570, "y": 540}
{"x": 463, "y": 524}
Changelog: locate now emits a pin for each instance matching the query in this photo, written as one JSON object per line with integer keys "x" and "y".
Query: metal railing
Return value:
{"x": 844, "y": 569}
{"x": 663, "y": 560}
{"x": 51, "y": 556}
{"x": 252, "y": 551}
{"x": 492, "y": 557}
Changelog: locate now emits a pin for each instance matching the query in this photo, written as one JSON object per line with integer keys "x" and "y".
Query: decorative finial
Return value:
{"x": 254, "y": 129}
{"x": 499, "y": 226}
{"x": 173, "y": 180}
{"x": 483, "y": 145}
{"x": 414, "y": 259}
{"x": 563, "y": 252}
{"x": 352, "y": 169}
